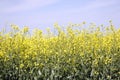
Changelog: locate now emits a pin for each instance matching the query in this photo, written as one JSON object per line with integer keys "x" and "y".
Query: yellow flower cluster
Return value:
{"x": 65, "y": 50}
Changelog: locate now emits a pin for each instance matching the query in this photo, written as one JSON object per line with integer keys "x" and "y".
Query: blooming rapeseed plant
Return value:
{"x": 70, "y": 53}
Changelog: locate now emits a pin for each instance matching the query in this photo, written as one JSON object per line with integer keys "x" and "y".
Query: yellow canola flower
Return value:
{"x": 1, "y": 54}
{"x": 15, "y": 27}
{"x": 25, "y": 29}
{"x": 21, "y": 66}
{"x": 108, "y": 60}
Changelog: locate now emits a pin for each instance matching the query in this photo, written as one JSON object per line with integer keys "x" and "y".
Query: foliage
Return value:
{"x": 72, "y": 53}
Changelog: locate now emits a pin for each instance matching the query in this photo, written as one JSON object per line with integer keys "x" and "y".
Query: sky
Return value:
{"x": 44, "y": 13}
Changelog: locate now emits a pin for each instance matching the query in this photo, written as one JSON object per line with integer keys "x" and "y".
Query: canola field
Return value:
{"x": 70, "y": 53}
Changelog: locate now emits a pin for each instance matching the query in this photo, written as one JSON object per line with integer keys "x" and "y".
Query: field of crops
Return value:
{"x": 70, "y": 53}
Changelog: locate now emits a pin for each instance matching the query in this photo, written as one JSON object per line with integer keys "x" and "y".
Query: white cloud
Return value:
{"x": 100, "y": 4}
{"x": 27, "y": 5}
{"x": 91, "y": 6}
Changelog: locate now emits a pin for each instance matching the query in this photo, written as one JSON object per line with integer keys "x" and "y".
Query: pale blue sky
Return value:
{"x": 44, "y": 13}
